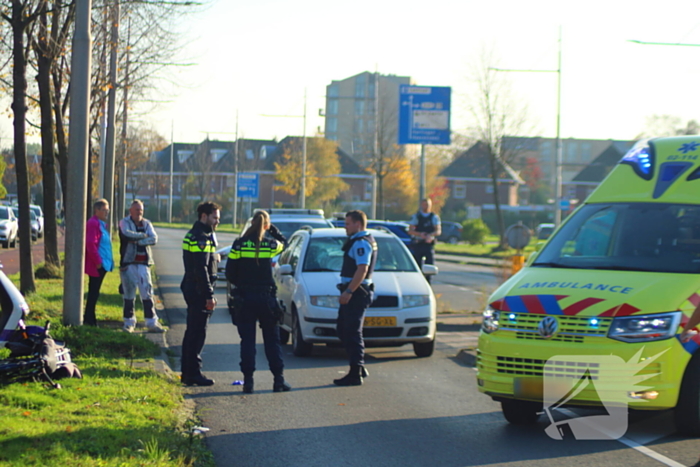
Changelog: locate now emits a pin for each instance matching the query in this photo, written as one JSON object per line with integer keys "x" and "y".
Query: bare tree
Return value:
{"x": 49, "y": 43}
{"x": 20, "y": 15}
{"x": 496, "y": 113}
{"x": 667, "y": 125}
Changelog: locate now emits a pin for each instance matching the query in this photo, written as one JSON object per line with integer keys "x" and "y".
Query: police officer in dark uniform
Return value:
{"x": 357, "y": 293}
{"x": 248, "y": 268}
{"x": 424, "y": 226}
{"x": 199, "y": 256}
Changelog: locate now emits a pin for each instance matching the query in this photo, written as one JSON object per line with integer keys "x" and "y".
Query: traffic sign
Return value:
{"x": 248, "y": 185}
{"x": 564, "y": 204}
{"x": 424, "y": 114}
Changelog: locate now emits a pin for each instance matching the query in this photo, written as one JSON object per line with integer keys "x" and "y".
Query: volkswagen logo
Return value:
{"x": 548, "y": 326}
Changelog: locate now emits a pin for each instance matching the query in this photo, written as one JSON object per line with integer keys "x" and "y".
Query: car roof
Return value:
{"x": 330, "y": 232}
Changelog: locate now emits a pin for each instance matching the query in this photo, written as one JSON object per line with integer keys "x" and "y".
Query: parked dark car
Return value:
{"x": 400, "y": 229}
{"x": 451, "y": 232}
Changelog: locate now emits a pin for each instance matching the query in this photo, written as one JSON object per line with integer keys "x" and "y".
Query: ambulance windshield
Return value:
{"x": 654, "y": 237}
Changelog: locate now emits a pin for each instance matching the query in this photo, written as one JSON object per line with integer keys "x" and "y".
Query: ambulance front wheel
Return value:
{"x": 687, "y": 413}
{"x": 521, "y": 412}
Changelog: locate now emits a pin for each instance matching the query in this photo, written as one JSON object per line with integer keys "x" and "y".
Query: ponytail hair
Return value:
{"x": 256, "y": 231}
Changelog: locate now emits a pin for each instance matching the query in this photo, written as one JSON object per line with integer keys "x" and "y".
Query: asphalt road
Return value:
{"x": 410, "y": 411}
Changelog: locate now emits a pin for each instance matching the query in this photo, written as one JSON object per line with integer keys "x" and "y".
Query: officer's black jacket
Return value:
{"x": 198, "y": 254}
{"x": 250, "y": 266}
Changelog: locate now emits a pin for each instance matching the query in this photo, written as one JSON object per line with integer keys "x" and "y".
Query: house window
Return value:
{"x": 459, "y": 191}
{"x": 332, "y": 108}
{"x": 217, "y": 154}
{"x": 571, "y": 151}
{"x": 360, "y": 86}
{"x": 333, "y": 90}
{"x": 359, "y": 107}
{"x": 249, "y": 154}
{"x": 182, "y": 155}
{"x": 359, "y": 125}
{"x": 331, "y": 124}
{"x": 489, "y": 188}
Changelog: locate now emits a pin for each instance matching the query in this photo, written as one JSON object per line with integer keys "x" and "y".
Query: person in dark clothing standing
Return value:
{"x": 98, "y": 257}
{"x": 357, "y": 293}
{"x": 425, "y": 227}
{"x": 249, "y": 269}
{"x": 199, "y": 256}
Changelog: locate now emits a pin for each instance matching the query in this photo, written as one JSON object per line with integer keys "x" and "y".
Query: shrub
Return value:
{"x": 474, "y": 231}
{"x": 48, "y": 271}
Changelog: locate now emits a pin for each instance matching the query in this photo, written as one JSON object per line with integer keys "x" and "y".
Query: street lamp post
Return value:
{"x": 302, "y": 195}
{"x": 557, "y": 159}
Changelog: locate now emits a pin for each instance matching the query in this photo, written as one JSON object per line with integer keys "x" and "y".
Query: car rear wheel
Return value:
{"x": 687, "y": 413}
{"x": 521, "y": 412}
{"x": 424, "y": 349}
{"x": 14, "y": 242}
{"x": 300, "y": 348}
{"x": 6, "y": 244}
{"x": 284, "y": 336}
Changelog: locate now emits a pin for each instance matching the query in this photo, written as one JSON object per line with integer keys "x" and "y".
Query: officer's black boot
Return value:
{"x": 363, "y": 371}
{"x": 279, "y": 384}
{"x": 248, "y": 384}
{"x": 353, "y": 378}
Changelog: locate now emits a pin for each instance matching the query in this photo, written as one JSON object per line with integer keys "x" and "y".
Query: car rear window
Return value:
{"x": 325, "y": 254}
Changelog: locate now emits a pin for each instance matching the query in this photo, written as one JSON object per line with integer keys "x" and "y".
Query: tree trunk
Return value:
{"x": 19, "y": 84}
{"x": 48, "y": 161}
{"x": 62, "y": 143}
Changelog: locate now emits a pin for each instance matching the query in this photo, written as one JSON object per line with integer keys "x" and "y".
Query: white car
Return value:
{"x": 39, "y": 217}
{"x": 307, "y": 272}
{"x": 9, "y": 226}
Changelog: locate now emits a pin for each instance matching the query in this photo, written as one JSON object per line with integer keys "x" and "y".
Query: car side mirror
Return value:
{"x": 286, "y": 270}
{"x": 429, "y": 269}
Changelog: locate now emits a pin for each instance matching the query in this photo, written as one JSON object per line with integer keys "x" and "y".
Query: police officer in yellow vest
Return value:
{"x": 199, "y": 256}
{"x": 249, "y": 270}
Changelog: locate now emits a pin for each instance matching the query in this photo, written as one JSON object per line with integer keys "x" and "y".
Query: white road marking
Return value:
{"x": 633, "y": 444}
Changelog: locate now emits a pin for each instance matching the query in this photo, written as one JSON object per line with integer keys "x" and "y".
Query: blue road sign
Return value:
{"x": 564, "y": 204}
{"x": 248, "y": 185}
{"x": 424, "y": 114}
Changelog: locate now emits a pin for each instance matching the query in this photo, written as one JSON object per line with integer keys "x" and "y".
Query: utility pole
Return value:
{"x": 235, "y": 176}
{"x": 557, "y": 159}
{"x": 77, "y": 176}
{"x": 125, "y": 146}
{"x": 302, "y": 200}
{"x": 108, "y": 185}
{"x": 170, "y": 189}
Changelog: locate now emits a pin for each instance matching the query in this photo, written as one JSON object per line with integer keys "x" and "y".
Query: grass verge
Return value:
{"x": 122, "y": 413}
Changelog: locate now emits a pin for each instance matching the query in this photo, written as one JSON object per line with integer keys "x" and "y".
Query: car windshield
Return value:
{"x": 4, "y": 214}
{"x": 289, "y": 227}
{"x": 653, "y": 237}
{"x": 325, "y": 254}
{"x": 36, "y": 210}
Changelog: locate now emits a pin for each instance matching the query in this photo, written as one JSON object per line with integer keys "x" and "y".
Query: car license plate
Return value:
{"x": 380, "y": 321}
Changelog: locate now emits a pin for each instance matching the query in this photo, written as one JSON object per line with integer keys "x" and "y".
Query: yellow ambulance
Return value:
{"x": 620, "y": 277}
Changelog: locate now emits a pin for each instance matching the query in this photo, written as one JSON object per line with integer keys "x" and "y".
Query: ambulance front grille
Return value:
{"x": 572, "y": 329}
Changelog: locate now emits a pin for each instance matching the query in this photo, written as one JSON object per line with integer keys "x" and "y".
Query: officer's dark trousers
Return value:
{"x": 196, "y": 332}
{"x": 424, "y": 250}
{"x": 349, "y": 326}
{"x": 245, "y": 321}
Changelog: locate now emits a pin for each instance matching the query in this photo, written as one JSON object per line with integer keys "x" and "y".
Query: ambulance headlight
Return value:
{"x": 490, "y": 322}
{"x": 645, "y": 328}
